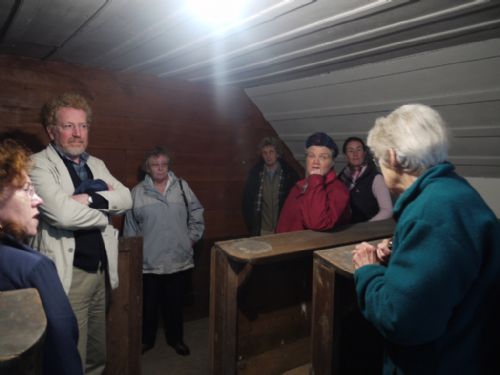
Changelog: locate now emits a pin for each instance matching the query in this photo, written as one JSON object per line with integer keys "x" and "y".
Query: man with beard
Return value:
{"x": 79, "y": 194}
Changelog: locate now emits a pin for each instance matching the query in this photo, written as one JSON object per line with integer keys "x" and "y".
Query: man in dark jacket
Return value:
{"x": 267, "y": 187}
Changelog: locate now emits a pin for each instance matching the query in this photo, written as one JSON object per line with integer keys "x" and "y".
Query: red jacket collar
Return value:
{"x": 329, "y": 177}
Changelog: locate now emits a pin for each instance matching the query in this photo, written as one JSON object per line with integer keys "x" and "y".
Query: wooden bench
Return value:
{"x": 22, "y": 331}
{"x": 335, "y": 344}
{"x": 260, "y": 298}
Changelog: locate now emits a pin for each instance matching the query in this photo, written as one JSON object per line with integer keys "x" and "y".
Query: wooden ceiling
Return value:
{"x": 274, "y": 41}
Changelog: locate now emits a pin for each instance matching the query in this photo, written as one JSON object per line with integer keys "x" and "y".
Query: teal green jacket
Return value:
{"x": 437, "y": 301}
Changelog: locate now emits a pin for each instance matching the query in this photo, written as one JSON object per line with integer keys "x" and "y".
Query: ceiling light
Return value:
{"x": 217, "y": 12}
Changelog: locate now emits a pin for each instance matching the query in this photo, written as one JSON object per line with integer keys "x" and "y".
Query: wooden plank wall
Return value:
{"x": 211, "y": 132}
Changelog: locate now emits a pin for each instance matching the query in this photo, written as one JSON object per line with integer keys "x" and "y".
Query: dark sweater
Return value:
{"x": 90, "y": 252}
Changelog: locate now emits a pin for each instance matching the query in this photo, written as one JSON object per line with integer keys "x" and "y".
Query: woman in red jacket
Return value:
{"x": 321, "y": 200}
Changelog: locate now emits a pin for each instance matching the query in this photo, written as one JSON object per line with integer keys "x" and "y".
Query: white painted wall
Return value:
{"x": 489, "y": 188}
{"x": 462, "y": 82}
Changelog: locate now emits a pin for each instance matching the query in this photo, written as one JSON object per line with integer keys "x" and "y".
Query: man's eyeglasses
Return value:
{"x": 72, "y": 127}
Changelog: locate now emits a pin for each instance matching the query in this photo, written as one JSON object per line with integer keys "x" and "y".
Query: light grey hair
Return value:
{"x": 155, "y": 152}
{"x": 416, "y": 133}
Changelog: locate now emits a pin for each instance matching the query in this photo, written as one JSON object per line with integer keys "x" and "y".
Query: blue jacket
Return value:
{"x": 22, "y": 267}
{"x": 437, "y": 300}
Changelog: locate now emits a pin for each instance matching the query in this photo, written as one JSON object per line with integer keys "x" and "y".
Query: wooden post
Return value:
{"x": 334, "y": 298}
{"x": 223, "y": 313}
{"x": 124, "y": 318}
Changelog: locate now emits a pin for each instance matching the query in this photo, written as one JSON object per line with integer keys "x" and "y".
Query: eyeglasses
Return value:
{"x": 29, "y": 189}
{"x": 72, "y": 127}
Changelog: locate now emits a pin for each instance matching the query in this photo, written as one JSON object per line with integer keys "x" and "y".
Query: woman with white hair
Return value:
{"x": 432, "y": 291}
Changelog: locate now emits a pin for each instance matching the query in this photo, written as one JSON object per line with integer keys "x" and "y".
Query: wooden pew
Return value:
{"x": 260, "y": 298}
{"x": 22, "y": 331}
{"x": 334, "y": 302}
{"x": 124, "y": 317}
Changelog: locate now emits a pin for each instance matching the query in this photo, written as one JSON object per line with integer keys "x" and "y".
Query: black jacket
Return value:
{"x": 363, "y": 203}
{"x": 251, "y": 204}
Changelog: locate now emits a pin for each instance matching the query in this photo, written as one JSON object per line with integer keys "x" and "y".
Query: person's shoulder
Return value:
{"x": 182, "y": 183}
{"x": 289, "y": 170}
{"x": 139, "y": 188}
{"x": 174, "y": 179}
{"x": 452, "y": 189}
{"x": 285, "y": 166}
{"x": 43, "y": 155}
{"x": 331, "y": 177}
{"x": 374, "y": 173}
{"x": 378, "y": 178}
{"x": 21, "y": 257}
{"x": 448, "y": 185}
{"x": 296, "y": 190}
{"x": 336, "y": 182}
{"x": 257, "y": 167}
{"x": 95, "y": 160}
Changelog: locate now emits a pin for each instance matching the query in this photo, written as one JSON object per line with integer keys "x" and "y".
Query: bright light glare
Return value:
{"x": 217, "y": 12}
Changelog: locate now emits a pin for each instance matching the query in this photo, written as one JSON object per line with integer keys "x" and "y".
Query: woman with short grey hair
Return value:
{"x": 422, "y": 143}
{"x": 432, "y": 290}
{"x": 169, "y": 217}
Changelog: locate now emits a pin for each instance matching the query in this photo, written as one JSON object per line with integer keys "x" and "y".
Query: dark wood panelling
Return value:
{"x": 212, "y": 132}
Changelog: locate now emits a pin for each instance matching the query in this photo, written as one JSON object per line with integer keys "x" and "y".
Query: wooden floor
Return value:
{"x": 302, "y": 370}
{"x": 163, "y": 360}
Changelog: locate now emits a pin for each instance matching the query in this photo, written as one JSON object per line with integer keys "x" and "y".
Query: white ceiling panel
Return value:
{"x": 273, "y": 41}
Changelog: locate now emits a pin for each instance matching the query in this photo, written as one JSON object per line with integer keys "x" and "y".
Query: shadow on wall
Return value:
{"x": 30, "y": 141}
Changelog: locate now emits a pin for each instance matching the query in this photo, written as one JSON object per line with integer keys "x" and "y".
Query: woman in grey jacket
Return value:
{"x": 170, "y": 218}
